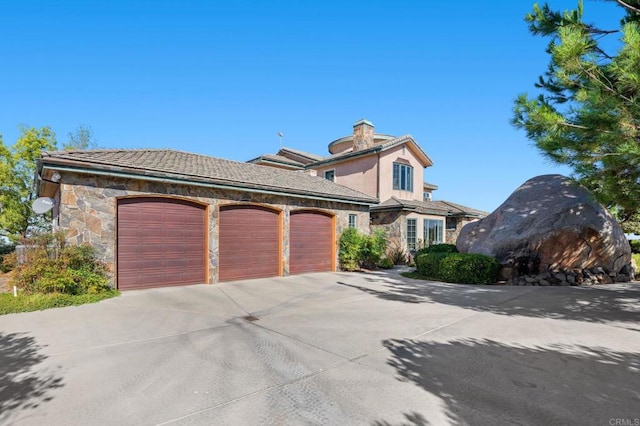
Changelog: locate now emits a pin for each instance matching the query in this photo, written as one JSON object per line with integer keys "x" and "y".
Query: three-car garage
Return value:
{"x": 163, "y": 241}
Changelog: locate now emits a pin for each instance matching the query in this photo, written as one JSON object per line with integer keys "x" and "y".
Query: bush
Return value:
{"x": 469, "y": 268}
{"x": 373, "y": 248}
{"x": 358, "y": 250}
{"x": 437, "y": 248}
{"x": 397, "y": 255}
{"x": 7, "y": 258}
{"x": 386, "y": 263}
{"x": 465, "y": 268}
{"x": 635, "y": 246}
{"x": 350, "y": 249}
{"x": 428, "y": 264}
{"x": 49, "y": 266}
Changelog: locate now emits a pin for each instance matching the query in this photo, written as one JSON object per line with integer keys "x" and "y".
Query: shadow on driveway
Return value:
{"x": 592, "y": 304}
{"x": 529, "y": 385}
{"x": 22, "y": 388}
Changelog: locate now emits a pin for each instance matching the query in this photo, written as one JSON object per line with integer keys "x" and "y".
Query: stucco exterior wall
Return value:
{"x": 387, "y": 158}
{"x": 88, "y": 205}
{"x": 360, "y": 174}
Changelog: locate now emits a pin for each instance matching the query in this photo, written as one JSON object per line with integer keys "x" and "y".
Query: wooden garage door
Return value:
{"x": 311, "y": 242}
{"x": 161, "y": 242}
{"x": 249, "y": 244}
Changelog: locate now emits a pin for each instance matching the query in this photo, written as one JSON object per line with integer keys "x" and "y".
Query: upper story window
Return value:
{"x": 330, "y": 175}
{"x": 402, "y": 177}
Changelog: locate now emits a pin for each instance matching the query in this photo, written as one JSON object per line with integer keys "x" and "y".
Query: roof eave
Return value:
{"x": 81, "y": 167}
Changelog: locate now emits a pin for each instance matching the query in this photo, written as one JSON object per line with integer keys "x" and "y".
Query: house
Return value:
{"x": 390, "y": 169}
{"x": 160, "y": 217}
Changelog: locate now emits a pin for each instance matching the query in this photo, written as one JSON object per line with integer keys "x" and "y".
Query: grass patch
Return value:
{"x": 39, "y": 302}
{"x": 636, "y": 257}
{"x": 414, "y": 274}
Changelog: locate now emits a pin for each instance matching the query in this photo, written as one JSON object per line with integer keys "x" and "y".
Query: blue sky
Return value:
{"x": 223, "y": 78}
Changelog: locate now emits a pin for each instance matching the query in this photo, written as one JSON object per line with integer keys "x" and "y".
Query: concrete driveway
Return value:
{"x": 330, "y": 349}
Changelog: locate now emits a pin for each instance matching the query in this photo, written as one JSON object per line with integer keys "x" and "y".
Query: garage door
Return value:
{"x": 249, "y": 244}
{"x": 161, "y": 242}
{"x": 311, "y": 242}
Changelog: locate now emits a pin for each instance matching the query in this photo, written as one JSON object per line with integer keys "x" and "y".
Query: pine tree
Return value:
{"x": 587, "y": 115}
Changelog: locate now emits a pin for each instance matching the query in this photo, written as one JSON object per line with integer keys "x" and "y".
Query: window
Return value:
{"x": 353, "y": 221}
{"x": 426, "y": 196}
{"x": 330, "y": 175}
{"x": 402, "y": 177}
{"x": 411, "y": 233}
{"x": 452, "y": 223}
{"x": 433, "y": 231}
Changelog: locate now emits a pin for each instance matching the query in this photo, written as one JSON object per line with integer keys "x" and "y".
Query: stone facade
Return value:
{"x": 88, "y": 205}
{"x": 454, "y": 226}
{"x": 392, "y": 223}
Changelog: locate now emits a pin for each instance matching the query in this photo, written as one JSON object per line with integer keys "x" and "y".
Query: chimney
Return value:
{"x": 362, "y": 135}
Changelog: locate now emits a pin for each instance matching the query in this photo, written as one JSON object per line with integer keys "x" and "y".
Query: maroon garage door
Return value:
{"x": 311, "y": 242}
{"x": 249, "y": 245}
{"x": 161, "y": 242}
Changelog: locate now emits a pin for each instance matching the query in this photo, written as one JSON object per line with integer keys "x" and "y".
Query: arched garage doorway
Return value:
{"x": 160, "y": 242}
{"x": 311, "y": 242}
{"x": 249, "y": 242}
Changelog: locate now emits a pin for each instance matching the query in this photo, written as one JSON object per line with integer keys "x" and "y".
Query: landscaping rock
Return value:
{"x": 550, "y": 223}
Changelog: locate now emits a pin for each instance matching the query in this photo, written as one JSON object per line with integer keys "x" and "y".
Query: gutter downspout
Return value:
{"x": 378, "y": 178}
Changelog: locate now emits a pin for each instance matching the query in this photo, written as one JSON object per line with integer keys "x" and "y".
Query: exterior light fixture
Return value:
{"x": 55, "y": 177}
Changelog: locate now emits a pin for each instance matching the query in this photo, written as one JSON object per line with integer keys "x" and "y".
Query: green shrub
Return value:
{"x": 428, "y": 264}
{"x": 468, "y": 268}
{"x": 49, "y": 266}
{"x": 373, "y": 248}
{"x": 350, "y": 249}
{"x": 386, "y": 263}
{"x": 437, "y": 248}
{"x": 358, "y": 250}
{"x": 635, "y": 246}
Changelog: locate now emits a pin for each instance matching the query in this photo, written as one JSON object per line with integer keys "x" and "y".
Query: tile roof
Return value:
{"x": 274, "y": 158}
{"x": 309, "y": 155}
{"x": 441, "y": 208}
{"x": 378, "y": 146}
{"x": 186, "y": 166}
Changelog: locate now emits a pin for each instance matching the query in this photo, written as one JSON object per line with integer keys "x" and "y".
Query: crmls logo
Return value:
{"x": 624, "y": 422}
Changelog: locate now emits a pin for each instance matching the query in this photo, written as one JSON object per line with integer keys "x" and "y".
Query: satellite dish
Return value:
{"x": 42, "y": 205}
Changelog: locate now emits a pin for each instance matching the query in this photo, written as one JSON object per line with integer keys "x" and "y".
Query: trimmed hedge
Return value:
{"x": 428, "y": 264}
{"x": 469, "y": 268}
{"x": 437, "y": 248}
{"x": 463, "y": 268}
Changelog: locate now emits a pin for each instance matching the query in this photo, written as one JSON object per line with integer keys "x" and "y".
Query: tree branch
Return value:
{"x": 628, "y": 6}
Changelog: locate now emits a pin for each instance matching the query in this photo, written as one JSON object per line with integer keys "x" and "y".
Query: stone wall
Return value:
{"x": 573, "y": 277}
{"x": 392, "y": 224}
{"x": 452, "y": 233}
{"x": 88, "y": 211}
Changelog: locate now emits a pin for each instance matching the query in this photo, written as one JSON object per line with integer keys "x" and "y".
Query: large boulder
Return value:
{"x": 549, "y": 223}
